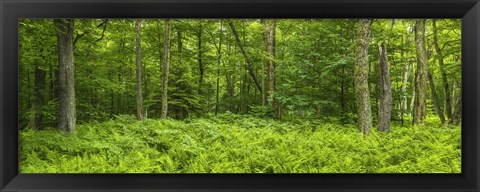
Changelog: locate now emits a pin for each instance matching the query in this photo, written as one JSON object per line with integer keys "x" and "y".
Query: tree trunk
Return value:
{"x": 138, "y": 61}
{"x": 421, "y": 77}
{"x": 457, "y": 116}
{"x": 219, "y": 57}
{"x": 200, "y": 64}
{"x": 66, "y": 75}
{"x": 271, "y": 26}
{"x": 385, "y": 108}
{"x": 403, "y": 89}
{"x": 364, "y": 110}
{"x": 249, "y": 64}
{"x": 39, "y": 96}
{"x": 166, "y": 59}
{"x": 446, "y": 86}
{"x": 436, "y": 102}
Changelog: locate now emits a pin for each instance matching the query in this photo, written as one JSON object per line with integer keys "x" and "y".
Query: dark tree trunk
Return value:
{"x": 362, "y": 92}
{"x": 457, "y": 116}
{"x": 39, "y": 97}
{"x": 165, "y": 69}
{"x": 436, "y": 102}
{"x": 200, "y": 64}
{"x": 51, "y": 82}
{"x": 138, "y": 61}
{"x": 421, "y": 75}
{"x": 385, "y": 108}
{"x": 66, "y": 75}
{"x": 219, "y": 57}
{"x": 446, "y": 86}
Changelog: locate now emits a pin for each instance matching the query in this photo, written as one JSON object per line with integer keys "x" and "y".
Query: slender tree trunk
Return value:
{"x": 362, "y": 92}
{"x": 457, "y": 116}
{"x": 39, "y": 96}
{"x": 421, "y": 79}
{"x": 219, "y": 57}
{"x": 138, "y": 61}
{"x": 230, "y": 84}
{"x": 412, "y": 100}
{"x": 66, "y": 73}
{"x": 166, "y": 59}
{"x": 385, "y": 108}
{"x": 51, "y": 82}
{"x": 249, "y": 64}
{"x": 406, "y": 71}
{"x": 436, "y": 102}
{"x": 271, "y": 28}
{"x": 200, "y": 64}
{"x": 457, "y": 108}
{"x": 446, "y": 86}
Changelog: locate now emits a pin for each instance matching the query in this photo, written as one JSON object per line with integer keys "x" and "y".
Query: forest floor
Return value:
{"x": 240, "y": 144}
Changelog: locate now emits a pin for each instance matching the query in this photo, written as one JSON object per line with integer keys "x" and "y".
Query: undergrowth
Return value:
{"x": 239, "y": 144}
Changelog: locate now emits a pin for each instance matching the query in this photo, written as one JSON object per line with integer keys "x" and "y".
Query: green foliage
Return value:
{"x": 232, "y": 143}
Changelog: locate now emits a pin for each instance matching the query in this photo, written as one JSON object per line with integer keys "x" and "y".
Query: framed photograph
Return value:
{"x": 239, "y": 95}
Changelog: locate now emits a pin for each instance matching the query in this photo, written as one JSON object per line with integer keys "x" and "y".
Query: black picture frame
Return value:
{"x": 12, "y": 10}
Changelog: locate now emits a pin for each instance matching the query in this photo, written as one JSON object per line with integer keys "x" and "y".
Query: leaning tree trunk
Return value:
{"x": 66, "y": 75}
{"x": 421, "y": 78}
{"x": 166, "y": 55}
{"x": 364, "y": 110}
{"x": 249, "y": 64}
{"x": 385, "y": 108}
{"x": 138, "y": 28}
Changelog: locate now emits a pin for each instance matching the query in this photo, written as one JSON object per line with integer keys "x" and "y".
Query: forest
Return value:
{"x": 240, "y": 95}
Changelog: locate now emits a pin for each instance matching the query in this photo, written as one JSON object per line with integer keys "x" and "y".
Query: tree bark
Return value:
{"x": 66, "y": 74}
{"x": 385, "y": 108}
{"x": 271, "y": 28}
{"x": 446, "y": 86}
{"x": 421, "y": 77}
{"x": 165, "y": 69}
{"x": 249, "y": 64}
{"x": 457, "y": 116}
{"x": 219, "y": 57}
{"x": 39, "y": 96}
{"x": 436, "y": 102}
{"x": 138, "y": 61}
{"x": 364, "y": 110}
{"x": 200, "y": 64}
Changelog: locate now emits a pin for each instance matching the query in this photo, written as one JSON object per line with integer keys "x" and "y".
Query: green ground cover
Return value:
{"x": 240, "y": 144}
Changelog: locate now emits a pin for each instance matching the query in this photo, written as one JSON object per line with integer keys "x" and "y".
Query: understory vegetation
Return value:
{"x": 230, "y": 143}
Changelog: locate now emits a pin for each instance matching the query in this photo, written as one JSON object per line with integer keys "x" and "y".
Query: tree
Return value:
{"x": 138, "y": 61}
{"x": 66, "y": 75}
{"x": 421, "y": 74}
{"x": 385, "y": 108}
{"x": 201, "y": 68}
{"x": 219, "y": 58}
{"x": 446, "y": 85}
{"x": 271, "y": 26}
{"x": 165, "y": 66}
{"x": 247, "y": 59}
{"x": 361, "y": 76}
{"x": 39, "y": 96}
